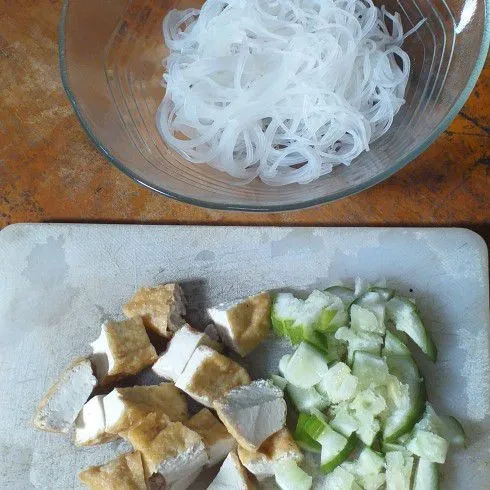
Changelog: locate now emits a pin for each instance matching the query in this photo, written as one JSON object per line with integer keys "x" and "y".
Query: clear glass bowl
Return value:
{"x": 110, "y": 58}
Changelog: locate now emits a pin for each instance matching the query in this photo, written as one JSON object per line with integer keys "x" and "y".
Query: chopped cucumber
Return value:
{"x": 363, "y": 319}
{"x": 279, "y": 381}
{"x": 426, "y": 476}
{"x": 406, "y": 318}
{"x": 306, "y": 399}
{"x": 285, "y": 311}
{"x": 335, "y": 449}
{"x": 386, "y": 447}
{"x": 336, "y": 349}
{"x": 344, "y": 422}
{"x": 429, "y": 446}
{"x": 306, "y": 367}
{"x": 366, "y": 406}
{"x": 345, "y": 294}
{"x": 338, "y": 384}
{"x": 289, "y": 476}
{"x": 296, "y": 319}
{"x": 398, "y": 471}
{"x": 301, "y": 436}
{"x": 448, "y": 428}
{"x": 368, "y": 469}
{"x": 359, "y": 341}
{"x": 375, "y": 303}
{"x": 370, "y": 370}
{"x": 401, "y": 419}
{"x": 341, "y": 479}
{"x": 394, "y": 346}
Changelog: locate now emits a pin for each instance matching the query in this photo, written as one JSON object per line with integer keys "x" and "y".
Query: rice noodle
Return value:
{"x": 282, "y": 90}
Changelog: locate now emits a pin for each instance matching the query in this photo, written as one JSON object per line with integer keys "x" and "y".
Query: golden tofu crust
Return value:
{"x": 161, "y": 308}
{"x": 122, "y": 473}
{"x": 279, "y": 445}
{"x": 208, "y": 427}
{"x": 250, "y": 322}
{"x": 216, "y": 376}
{"x": 163, "y": 400}
{"x": 130, "y": 347}
{"x": 158, "y": 439}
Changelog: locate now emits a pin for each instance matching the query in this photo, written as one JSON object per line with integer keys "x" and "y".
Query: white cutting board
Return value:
{"x": 58, "y": 282}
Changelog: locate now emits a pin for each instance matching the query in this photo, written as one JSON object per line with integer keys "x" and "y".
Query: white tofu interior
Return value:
{"x": 180, "y": 349}
{"x": 252, "y": 413}
{"x": 218, "y": 451}
{"x": 193, "y": 366}
{"x": 102, "y": 357}
{"x": 90, "y": 423}
{"x": 64, "y": 400}
{"x": 230, "y": 476}
{"x": 190, "y": 461}
{"x": 113, "y": 409}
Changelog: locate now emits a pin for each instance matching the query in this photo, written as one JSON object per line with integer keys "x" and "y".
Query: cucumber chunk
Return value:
{"x": 345, "y": 294}
{"x": 363, "y": 319}
{"x": 448, "y": 428}
{"x": 401, "y": 418}
{"x": 370, "y": 370}
{"x": 394, "y": 346}
{"x": 279, "y": 381}
{"x": 429, "y": 446}
{"x": 289, "y": 476}
{"x": 406, "y": 318}
{"x": 335, "y": 449}
{"x": 306, "y": 399}
{"x": 341, "y": 479}
{"x": 359, "y": 341}
{"x": 426, "y": 476}
{"x": 338, "y": 384}
{"x": 398, "y": 471}
{"x": 306, "y": 367}
{"x": 301, "y": 435}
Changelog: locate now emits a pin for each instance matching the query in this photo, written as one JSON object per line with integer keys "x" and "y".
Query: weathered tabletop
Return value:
{"x": 49, "y": 170}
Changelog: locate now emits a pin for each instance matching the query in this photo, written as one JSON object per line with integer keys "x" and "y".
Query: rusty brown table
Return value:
{"x": 49, "y": 171}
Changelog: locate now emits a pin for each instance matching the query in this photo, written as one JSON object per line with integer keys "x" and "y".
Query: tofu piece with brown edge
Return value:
{"x": 122, "y": 473}
{"x": 252, "y": 413}
{"x": 63, "y": 401}
{"x": 209, "y": 375}
{"x": 161, "y": 307}
{"x": 122, "y": 349}
{"x": 218, "y": 441}
{"x": 124, "y": 407}
{"x": 90, "y": 426}
{"x": 232, "y": 475}
{"x": 278, "y": 447}
{"x": 245, "y": 324}
{"x": 179, "y": 350}
{"x": 168, "y": 448}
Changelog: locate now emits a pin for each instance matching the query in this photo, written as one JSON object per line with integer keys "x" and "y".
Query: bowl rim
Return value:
{"x": 451, "y": 114}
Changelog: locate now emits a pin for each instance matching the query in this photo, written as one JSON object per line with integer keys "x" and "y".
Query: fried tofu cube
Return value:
{"x": 63, "y": 401}
{"x": 245, "y": 324}
{"x": 122, "y": 473}
{"x": 232, "y": 475}
{"x": 218, "y": 441}
{"x": 90, "y": 424}
{"x": 161, "y": 308}
{"x": 252, "y": 413}
{"x": 208, "y": 375}
{"x": 124, "y": 407}
{"x": 278, "y": 447}
{"x": 122, "y": 349}
{"x": 168, "y": 448}
{"x": 179, "y": 350}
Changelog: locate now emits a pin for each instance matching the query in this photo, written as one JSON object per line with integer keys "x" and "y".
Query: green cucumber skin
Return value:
{"x": 342, "y": 456}
{"x": 417, "y": 411}
{"x": 428, "y": 347}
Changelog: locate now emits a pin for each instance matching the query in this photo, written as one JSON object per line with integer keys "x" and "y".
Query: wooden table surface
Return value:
{"x": 49, "y": 171}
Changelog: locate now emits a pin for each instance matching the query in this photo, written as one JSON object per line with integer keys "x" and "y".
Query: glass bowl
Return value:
{"x": 111, "y": 55}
